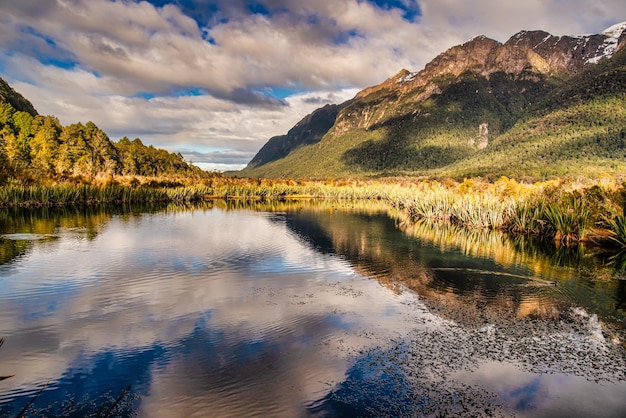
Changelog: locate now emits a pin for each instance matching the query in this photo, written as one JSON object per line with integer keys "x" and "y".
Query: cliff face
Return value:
{"x": 457, "y": 104}
{"x": 527, "y": 55}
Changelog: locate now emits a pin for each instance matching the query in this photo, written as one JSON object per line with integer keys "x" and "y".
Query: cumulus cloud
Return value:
{"x": 142, "y": 48}
{"x": 198, "y": 74}
{"x": 207, "y": 130}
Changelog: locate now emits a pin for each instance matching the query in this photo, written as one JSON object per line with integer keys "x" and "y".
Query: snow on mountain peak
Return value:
{"x": 615, "y": 31}
{"x": 608, "y": 48}
{"x": 406, "y": 78}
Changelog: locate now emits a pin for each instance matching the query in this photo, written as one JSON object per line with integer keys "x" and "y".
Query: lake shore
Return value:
{"x": 567, "y": 212}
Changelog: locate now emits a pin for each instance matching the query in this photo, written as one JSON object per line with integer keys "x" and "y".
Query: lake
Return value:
{"x": 311, "y": 308}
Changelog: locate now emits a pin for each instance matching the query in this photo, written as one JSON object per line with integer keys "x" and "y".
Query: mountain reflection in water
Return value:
{"x": 304, "y": 308}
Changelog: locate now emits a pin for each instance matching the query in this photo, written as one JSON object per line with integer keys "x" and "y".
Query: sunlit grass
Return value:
{"x": 564, "y": 211}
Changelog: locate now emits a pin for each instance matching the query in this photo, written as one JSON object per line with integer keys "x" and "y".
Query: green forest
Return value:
{"x": 35, "y": 149}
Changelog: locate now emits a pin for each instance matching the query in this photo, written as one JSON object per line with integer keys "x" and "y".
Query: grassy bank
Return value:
{"x": 565, "y": 211}
{"x": 145, "y": 190}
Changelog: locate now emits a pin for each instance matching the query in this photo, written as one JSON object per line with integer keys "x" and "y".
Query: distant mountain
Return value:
{"x": 308, "y": 131}
{"x": 519, "y": 108}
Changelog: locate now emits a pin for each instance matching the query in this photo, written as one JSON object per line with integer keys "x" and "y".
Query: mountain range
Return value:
{"x": 537, "y": 105}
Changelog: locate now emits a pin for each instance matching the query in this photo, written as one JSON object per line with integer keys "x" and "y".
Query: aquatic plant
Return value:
{"x": 568, "y": 223}
{"x": 617, "y": 228}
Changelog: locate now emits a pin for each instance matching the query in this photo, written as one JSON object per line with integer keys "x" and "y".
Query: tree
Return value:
{"x": 126, "y": 156}
{"x": 74, "y": 155}
{"x": 16, "y": 148}
{"x": 22, "y": 123}
{"x": 104, "y": 155}
{"x": 45, "y": 143}
{"x": 6, "y": 114}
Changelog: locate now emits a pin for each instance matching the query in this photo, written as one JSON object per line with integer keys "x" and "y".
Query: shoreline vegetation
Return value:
{"x": 567, "y": 212}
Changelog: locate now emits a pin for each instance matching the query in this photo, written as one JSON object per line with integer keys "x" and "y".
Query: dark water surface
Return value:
{"x": 302, "y": 309}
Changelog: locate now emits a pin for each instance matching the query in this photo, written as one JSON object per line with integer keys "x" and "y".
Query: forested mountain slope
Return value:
{"x": 537, "y": 105}
{"x": 35, "y": 148}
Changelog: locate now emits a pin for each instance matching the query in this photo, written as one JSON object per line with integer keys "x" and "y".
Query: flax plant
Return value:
{"x": 527, "y": 218}
{"x": 568, "y": 224}
{"x": 482, "y": 211}
{"x": 617, "y": 230}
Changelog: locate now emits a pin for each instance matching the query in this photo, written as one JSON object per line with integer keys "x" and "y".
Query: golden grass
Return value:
{"x": 568, "y": 211}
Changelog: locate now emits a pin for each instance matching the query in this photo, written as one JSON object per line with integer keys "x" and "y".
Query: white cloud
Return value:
{"x": 204, "y": 128}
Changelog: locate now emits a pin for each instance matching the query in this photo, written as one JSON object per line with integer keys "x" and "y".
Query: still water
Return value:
{"x": 305, "y": 309}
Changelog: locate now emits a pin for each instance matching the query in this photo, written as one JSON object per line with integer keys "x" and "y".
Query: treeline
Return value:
{"x": 35, "y": 147}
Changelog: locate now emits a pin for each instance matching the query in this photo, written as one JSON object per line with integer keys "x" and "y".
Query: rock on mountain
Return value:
{"x": 526, "y": 55}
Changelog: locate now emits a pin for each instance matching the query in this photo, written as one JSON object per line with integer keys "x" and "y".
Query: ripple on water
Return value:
{"x": 252, "y": 324}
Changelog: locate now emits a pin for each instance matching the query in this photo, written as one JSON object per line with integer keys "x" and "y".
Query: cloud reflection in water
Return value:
{"x": 205, "y": 312}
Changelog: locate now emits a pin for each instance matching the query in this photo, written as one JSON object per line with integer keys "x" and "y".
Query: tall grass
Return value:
{"x": 617, "y": 228}
{"x": 482, "y": 211}
{"x": 62, "y": 195}
{"x": 565, "y": 212}
{"x": 568, "y": 223}
{"x": 527, "y": 218}
{"x": 562, "y": 210}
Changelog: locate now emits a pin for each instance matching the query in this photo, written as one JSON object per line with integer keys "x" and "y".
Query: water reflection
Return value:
{"x": 475, "y": 268}
{"x": 205, "y": 312}
{"x": 303, "y": 308}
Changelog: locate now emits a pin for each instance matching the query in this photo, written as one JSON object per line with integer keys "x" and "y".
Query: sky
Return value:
{"x": 215, "y": 79}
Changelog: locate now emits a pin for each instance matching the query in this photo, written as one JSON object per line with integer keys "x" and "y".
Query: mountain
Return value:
{"x": 537, "y": 105}
{"x": 15, "y": 99}
{"x": 308, "y": 131}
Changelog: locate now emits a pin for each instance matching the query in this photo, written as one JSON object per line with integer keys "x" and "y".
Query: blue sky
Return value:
{"x": 215, "y": 79}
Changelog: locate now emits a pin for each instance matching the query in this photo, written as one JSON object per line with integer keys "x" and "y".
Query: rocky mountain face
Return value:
{"x": 461, "y": 100}
{"x": 527, "y": 55}
{"x": 309, "y": 130}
